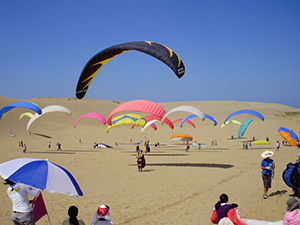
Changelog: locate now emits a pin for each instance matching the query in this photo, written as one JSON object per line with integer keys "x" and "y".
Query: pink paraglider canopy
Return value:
{"x": 144, "y": 106}
{"x": 93, "y": 115}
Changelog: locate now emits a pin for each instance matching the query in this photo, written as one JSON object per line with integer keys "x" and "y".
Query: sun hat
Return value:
{"x": 267, "y": 154}
{"x": 292, "y": 203}
{"x": 103, "y": 210}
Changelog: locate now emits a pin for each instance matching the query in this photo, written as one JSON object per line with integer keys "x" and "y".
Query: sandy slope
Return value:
{"x": 176, "y": 187}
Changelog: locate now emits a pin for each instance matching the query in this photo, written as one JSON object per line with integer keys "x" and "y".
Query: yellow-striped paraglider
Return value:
{"x": 129, "y": 118}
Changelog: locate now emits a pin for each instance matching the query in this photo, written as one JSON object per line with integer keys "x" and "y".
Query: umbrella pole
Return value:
{"x": 49, "y": 219}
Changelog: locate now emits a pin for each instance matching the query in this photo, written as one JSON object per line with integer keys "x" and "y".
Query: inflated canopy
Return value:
{"x": 91, "y": 115}
{"x": 231, "y": 121}
{"x": 181, "y": 137}
{"x": 26, "y": 105}
{"x": 48, "y": 109}
{"x": 144, "y": 106}
{"x": 181, "y": 119}
{"x": 246, "y": 111}
{"x": 186, "y": 108}
{"x": 158, "y": 51}
{"x": 129, "y": 118}
{"x": 29, "y": 114}
{"x": 244, "y": 127}
{"x": 154, "y": 117}
{"x": 150, "y": 123}
{"x": 193, "y": 116}
{"x": 289, "y": 136}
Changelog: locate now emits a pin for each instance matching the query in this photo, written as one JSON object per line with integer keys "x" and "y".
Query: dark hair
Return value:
{"x": 223, "y": 199}
{"x": 10, "y": 182}
{"x": 73, "y": 212}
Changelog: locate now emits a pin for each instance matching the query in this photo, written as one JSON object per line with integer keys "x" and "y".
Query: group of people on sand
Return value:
{"x": 23, "y": 215}
{"x": 23, "y": 145}
{"x": 228, "y": 214}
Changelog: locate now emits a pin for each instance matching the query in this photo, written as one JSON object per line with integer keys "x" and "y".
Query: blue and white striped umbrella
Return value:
{"x": 40, "y": 174}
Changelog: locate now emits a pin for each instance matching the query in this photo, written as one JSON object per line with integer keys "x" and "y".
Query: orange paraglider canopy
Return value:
{"x": 181, "y": 137}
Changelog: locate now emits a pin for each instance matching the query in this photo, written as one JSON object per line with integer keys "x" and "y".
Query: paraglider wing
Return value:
{"x": 260, "y": 142}
{"x": 144, "y": 106}
{"x": 129, "y": 118}
{"x": 188, "y": 121}
{"x": 181, "y": 137}
{"x": 289, "y": 136}
{"x": 48, "y": 109}
{"x": 211, "y": 118}
{"x": 149, "y": 123}
{"x": 27, "y": 105}
{"x": 243, "y": 127}
{"x": 246, "y": 111}
{"x": 159, "y": 51}
{"x": 25, "y": 114}
{"x": 154, "y": 117}
{"x": 231, "y": 121}
{"x": 186, "y": 108}
{"x": 92, "y": 115}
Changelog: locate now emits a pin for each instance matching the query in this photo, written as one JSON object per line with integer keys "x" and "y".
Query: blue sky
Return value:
{"x": 242, "y": 50}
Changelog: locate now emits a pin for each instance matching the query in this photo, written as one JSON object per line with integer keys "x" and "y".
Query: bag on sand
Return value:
{"x": 291, "y": 175}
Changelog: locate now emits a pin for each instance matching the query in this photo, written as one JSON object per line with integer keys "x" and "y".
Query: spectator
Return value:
{"x": 73, "y": 212}
{"x": 102, "y": 216}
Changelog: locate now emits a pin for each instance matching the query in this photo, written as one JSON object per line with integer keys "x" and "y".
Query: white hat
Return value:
{"x": 267, "y": 154}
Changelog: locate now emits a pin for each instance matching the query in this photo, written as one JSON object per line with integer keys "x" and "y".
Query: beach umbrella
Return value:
{"x": 40, "y": 174}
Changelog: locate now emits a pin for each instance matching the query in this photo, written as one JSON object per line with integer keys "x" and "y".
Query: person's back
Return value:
{"x": 73, "y": 212}
{"x": 104, "y": 222}
{"x": 68, "y": 222}
{"x": 292, "y": 218}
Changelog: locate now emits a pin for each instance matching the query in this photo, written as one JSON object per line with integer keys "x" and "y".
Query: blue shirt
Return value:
{"x": 265, "y": 163}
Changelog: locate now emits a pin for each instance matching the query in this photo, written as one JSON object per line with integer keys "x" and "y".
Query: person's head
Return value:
{"x": 103, "y": 212}
{"x": 73, "y": 212}
{"x": 223, "y": 198}
{"x": 292, "y": 204}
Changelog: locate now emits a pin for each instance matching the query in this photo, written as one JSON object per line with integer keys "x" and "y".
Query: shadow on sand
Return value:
{"x": 210, "y": 165}
{"x": 278, "y": 192}
{"x": 42, "y": 135}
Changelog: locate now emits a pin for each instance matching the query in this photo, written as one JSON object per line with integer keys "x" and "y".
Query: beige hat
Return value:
{"x": 267, "y": 154}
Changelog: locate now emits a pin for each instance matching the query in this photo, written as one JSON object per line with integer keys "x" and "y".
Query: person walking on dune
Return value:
{"x": 140, "y": 160}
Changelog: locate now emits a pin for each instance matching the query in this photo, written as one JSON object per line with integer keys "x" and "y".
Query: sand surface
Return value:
{"x": 176, "y": 187}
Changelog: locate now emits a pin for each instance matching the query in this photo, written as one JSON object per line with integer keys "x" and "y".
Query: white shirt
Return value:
{"x": 18, "y": 193}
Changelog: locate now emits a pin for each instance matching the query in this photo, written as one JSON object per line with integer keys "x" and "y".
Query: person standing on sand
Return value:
{"x": 24, "y": 149}
{"x": 140, "y": 160}
{"x": 267, "y": 165}
{"x": 18, "y": 194}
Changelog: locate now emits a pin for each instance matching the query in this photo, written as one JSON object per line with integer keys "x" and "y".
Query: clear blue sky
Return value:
{"x": 243, "y": 50}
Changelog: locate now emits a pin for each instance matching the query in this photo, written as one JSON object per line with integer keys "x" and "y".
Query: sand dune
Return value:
{"x": 176, "y": 187}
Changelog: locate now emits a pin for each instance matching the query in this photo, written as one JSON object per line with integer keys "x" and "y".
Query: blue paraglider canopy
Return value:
{"x": 246, "y": 111}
